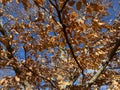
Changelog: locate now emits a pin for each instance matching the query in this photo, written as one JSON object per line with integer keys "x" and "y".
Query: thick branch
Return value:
{"x": 16, "y": 66}
{"x": 65, "y": 33}
{"x": 71, "y": 48}
{"x": 110, "y": 57}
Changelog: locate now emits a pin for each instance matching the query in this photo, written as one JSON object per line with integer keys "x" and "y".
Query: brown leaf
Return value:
{"x": 71, "y": 3}
{"x": 78, "y": 5}
{"x": 17, "y": 78}
{"x": 39, "y": 2}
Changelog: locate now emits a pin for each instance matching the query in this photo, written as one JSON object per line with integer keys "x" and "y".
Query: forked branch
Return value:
{"x": 59, "y": 12}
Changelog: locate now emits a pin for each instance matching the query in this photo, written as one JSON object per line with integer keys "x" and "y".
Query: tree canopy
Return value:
{"x": 59, "y": 44}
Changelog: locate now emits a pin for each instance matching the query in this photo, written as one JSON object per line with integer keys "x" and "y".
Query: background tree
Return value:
{"x": 59, "y": 44}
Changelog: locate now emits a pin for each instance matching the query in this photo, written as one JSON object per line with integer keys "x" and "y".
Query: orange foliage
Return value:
{"x": 54, "y": 43}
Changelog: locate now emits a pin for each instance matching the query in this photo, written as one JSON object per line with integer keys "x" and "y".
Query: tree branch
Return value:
{"x": 36, "y": 74}
{"x": 6, "y": 42}
{"x": 44, "y": 78}
{"x": 53, "y": 5}
{"x": 64, "y": 5}
{"x": 16, "y": 66}
{"x": 110, "y": 57}
{"x": 2, "y": 30}
{"x": 65, "y": 34}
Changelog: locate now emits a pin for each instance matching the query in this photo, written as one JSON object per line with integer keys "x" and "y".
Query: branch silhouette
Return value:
{"x": 65, "y": 33}
{"x": 110, "y": 57}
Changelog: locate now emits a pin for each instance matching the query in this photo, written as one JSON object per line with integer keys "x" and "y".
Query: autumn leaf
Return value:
{"x": 78, "y": 5}
{"x": 39, "y": 2}
{"x": 4, "y": 1}
{"x": 71, "y": 3}
{"x": 5, "y": 41}
{"x": 17, "y": 78}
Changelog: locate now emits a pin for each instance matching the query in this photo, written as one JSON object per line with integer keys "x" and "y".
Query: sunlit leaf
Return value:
{"x": 17, "y": 78}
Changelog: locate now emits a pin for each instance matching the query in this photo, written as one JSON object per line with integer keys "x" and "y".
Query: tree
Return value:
{"x": 59, "y": 44}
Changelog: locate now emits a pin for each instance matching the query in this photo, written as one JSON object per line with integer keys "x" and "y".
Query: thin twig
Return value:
{"x": 64, "y": 5}
{"x": 53, "y": 5}
{"x": 36, "y": 74}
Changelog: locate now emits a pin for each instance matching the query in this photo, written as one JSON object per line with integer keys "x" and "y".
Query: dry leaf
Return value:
{"x": 17, "y": 78}
{"x": 71, "y": 3}
{"x": 78, "y": 5}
